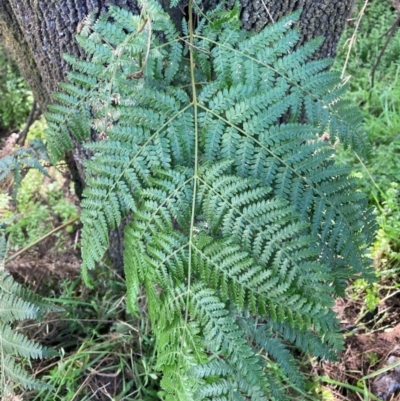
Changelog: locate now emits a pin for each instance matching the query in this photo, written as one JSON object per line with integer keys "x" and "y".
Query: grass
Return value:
{"x": 101, "y": 353}
{"x": 381, "y": 104}
{"x": 381, "y": 108}
{"x": 106, "y": 354}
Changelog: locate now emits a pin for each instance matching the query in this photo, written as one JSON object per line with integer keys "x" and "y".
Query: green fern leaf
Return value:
{"x": 17, "y": 375}
{"x": 237, "y": 209}
{"x": 17, "y": 344}
{"x": 18, "y": 303}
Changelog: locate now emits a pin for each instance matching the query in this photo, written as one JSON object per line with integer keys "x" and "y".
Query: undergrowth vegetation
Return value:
{"x": 374, "y": 85}
{"x": 380, "y": 106}
{"x": 17, "y": 303}
{"x": 15, "y": 99}
{"x": 108, "y": 353}
{"x": 105, "y": 353}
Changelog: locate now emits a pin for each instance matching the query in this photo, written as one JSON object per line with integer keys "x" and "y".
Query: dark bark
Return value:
{"x": 38, "y": 32}
{"x": 319, "y": 18}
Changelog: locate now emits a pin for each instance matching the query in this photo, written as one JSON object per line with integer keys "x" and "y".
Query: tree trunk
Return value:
{"x": 38, "y": 32}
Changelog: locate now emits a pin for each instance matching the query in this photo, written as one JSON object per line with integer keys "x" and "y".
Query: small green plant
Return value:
{"x": 15, "y": 99}
{"x": 387, "y": 245}
{"x": 38, "y": 199}
{"x": 372, "y": 358}
{"x": 14, "y": 166}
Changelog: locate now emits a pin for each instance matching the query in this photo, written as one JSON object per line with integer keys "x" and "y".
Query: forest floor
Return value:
{"x": 372, "y": 346}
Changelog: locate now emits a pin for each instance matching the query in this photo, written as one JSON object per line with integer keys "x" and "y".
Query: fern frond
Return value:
{"x": 14, "y": 308}
{"x": 307, "y": 340}
{"x": 18, "y": 375}
{"x": 8, "y": 286}
{"x": 222, "y": 335}
{"x": 17, "y": 344}
{"x": 237, "y": 209}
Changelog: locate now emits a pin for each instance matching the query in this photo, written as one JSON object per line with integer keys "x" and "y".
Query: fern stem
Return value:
{"x": 196, "y": 151}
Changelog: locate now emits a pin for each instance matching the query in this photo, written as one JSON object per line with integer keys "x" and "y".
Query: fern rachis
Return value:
{"x": 235, "y": 215}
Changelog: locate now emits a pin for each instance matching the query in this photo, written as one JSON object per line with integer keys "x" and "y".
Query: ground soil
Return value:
{"x": 372, "y": 343}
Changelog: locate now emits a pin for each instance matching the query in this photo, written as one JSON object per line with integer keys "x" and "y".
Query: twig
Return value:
{"x": 353, "y": 37}
{"x": 368, "y": 173}
{"x": 390, "y": 34}
{"x": 33, "y": 116}
{"x": 195, "y": 47}
{"x": 266, "y": 9}
{"x": 31, "y": 245}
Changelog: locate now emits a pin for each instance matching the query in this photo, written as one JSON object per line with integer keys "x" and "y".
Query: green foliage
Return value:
{"x": 387, "y": 245}
{"x": 17, "y": 303}
{"x": 380, "y": 104}
{"x": 41, "y": 205}
{"x": 371, "y": 36}
{"x": 243, "y": 229}
{"x": 15, "y": 99}
{"x": 380, "y": 107}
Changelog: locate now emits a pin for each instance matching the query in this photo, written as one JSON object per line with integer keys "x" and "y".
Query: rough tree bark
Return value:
{"x": 38, "y": 32}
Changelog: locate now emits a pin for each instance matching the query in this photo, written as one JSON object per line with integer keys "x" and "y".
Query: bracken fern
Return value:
{"x": 242, "y": 227}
